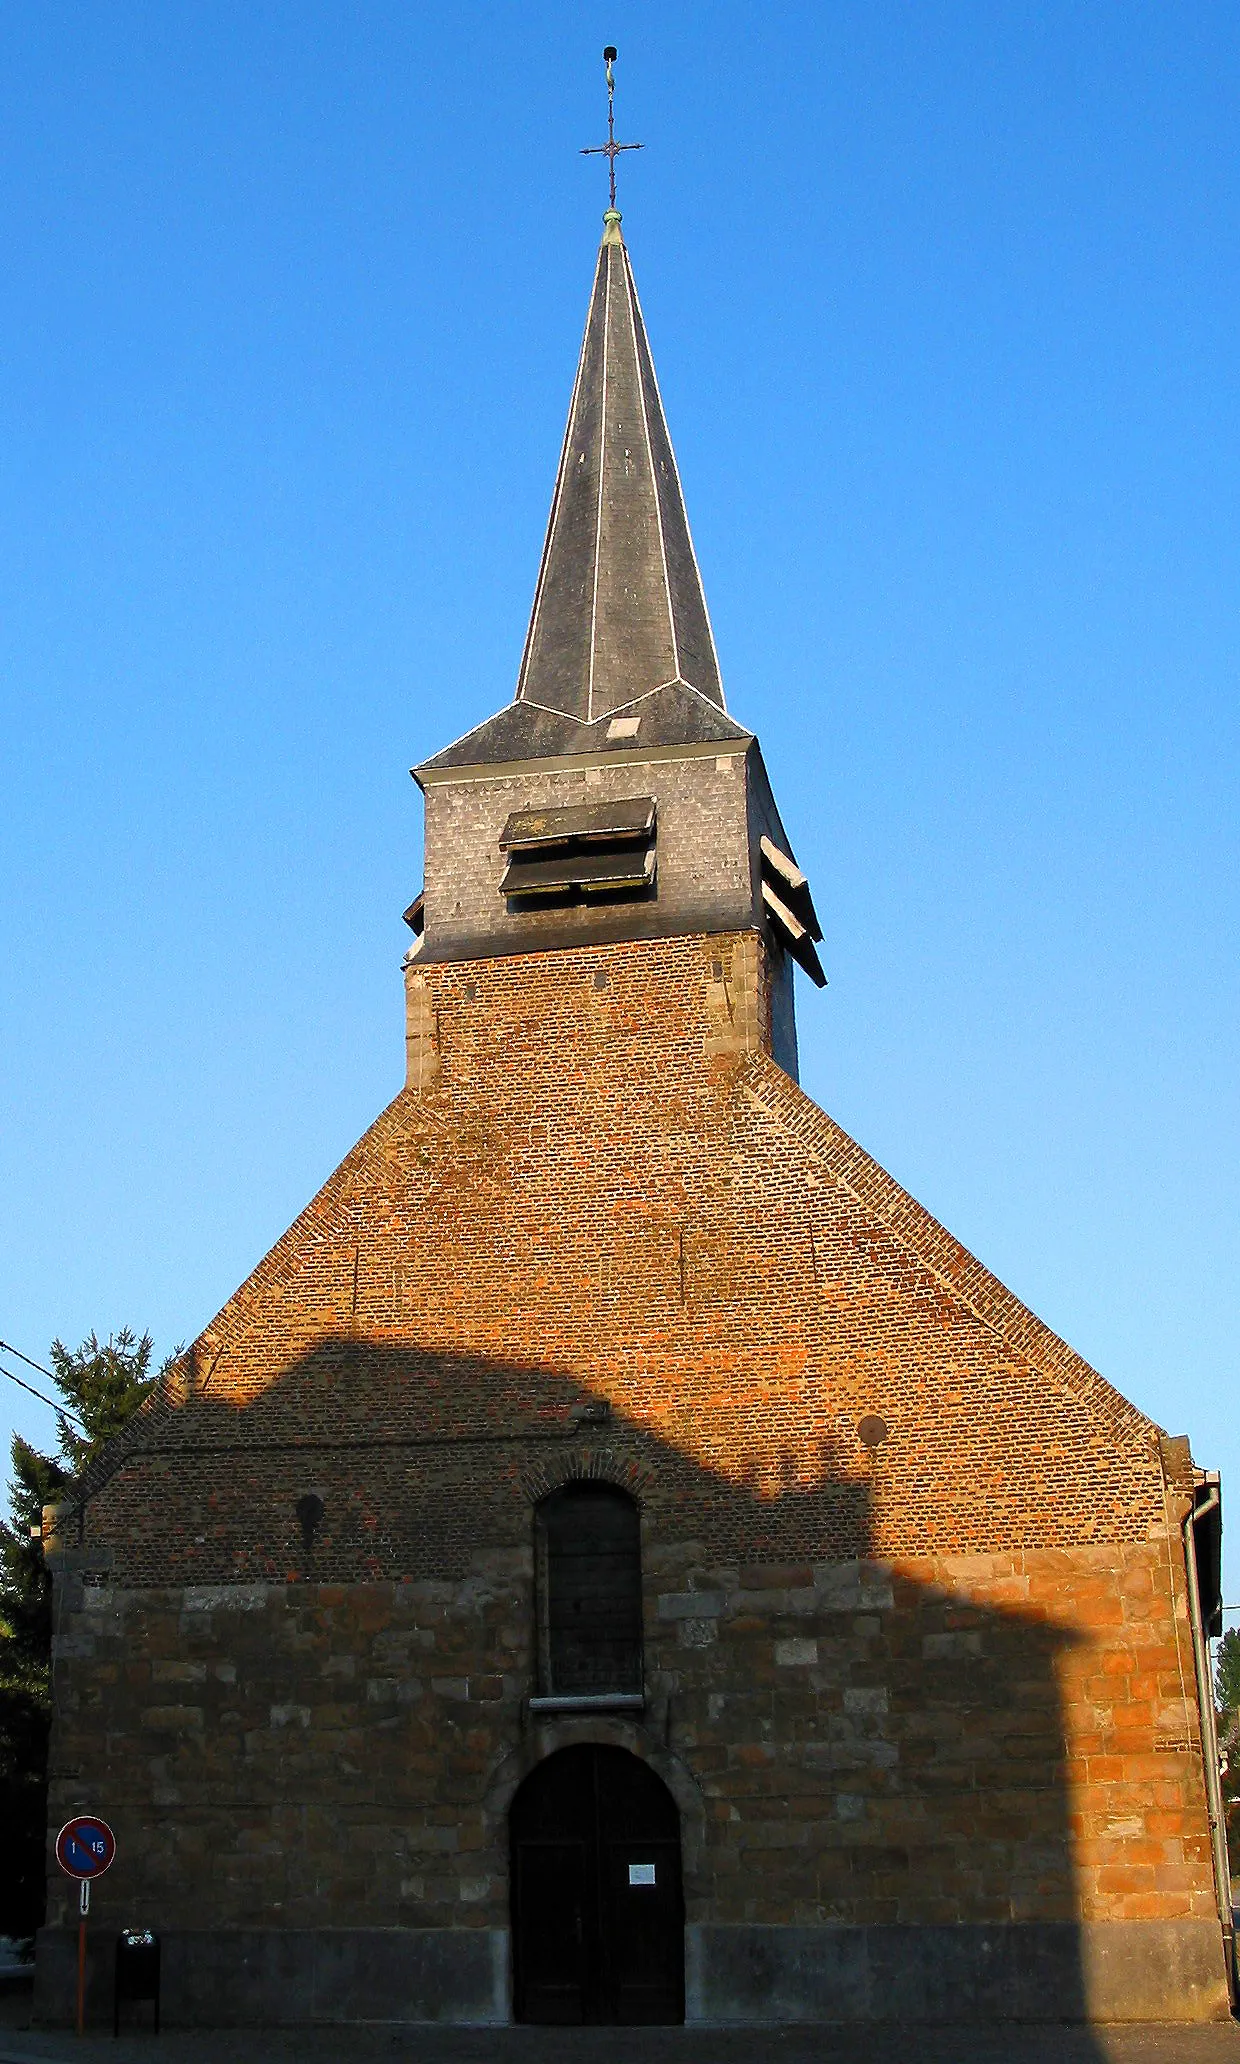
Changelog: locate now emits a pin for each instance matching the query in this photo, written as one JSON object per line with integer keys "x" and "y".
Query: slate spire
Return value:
{"x": 619, "y": 610}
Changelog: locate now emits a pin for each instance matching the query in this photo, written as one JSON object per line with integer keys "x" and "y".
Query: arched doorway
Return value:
{"x": 597, "y": 1909}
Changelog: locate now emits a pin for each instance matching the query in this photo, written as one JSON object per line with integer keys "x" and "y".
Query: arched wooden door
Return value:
{"x": 597, "y": 1908}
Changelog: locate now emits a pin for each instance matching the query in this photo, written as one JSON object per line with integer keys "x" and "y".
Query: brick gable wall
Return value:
{"x": 950, "y": 1681}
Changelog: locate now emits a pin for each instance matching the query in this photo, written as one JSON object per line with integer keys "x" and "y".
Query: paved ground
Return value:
{"x": 646, "y": 2046}
{"x": 20, "y": 2044}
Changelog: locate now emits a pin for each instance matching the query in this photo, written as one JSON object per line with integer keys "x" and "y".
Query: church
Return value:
{"x": 618, "y": 1559}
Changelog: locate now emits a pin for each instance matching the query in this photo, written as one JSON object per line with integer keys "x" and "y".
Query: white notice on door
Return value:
{"x": 641, "y": 1874}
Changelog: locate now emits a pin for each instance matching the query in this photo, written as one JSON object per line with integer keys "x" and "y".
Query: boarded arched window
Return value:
{"x": 588, "y": 1541}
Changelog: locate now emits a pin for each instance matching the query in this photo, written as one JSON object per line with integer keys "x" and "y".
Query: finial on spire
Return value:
{"x": 611, "y": 149}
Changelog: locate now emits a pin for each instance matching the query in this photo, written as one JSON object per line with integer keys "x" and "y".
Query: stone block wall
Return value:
{"x": 983, "y": 1740}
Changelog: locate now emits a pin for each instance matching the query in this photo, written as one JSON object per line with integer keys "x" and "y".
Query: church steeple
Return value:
{"x": 614, "y": 799}
{"x": 619, "y": 610}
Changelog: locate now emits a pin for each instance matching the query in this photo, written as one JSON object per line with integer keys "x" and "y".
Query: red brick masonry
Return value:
{"x": 947, "y": 1682}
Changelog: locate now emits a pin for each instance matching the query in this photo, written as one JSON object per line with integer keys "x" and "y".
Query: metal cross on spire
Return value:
{"x": 611, "y": 149}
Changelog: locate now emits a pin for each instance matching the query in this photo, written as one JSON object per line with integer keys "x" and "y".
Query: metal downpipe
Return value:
{"x": 1209, "y": 1737}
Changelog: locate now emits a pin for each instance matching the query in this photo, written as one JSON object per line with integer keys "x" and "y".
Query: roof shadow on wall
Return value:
{"x": 927, "y": 1737}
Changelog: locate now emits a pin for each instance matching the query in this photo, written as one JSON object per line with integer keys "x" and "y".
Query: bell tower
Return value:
{"x": 614, "y": 798}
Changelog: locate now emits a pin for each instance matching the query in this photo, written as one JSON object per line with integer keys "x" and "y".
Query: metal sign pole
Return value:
{"x": 85, "y": 1848}
{"x": 83, "y": 1910}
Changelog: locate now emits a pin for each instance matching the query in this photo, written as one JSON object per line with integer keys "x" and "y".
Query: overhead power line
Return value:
{"x": 22, "y": 1384}
{"x": 9, "y": 1348}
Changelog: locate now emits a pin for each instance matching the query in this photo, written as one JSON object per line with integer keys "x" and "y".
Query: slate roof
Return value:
{"x": 667, "y": 716}
{"x": 619, "y": 623}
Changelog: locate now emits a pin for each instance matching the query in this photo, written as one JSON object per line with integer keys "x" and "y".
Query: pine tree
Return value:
{"x": 25, "y": 1701}
{"x": 1227, "y": 1672}
{"x": 103, "y": 1384}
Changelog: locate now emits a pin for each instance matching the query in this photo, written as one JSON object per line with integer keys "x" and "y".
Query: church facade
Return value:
{"x": 618, "y": 1558}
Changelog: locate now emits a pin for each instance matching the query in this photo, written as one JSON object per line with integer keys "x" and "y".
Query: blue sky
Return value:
{"x": 944, "y": 304}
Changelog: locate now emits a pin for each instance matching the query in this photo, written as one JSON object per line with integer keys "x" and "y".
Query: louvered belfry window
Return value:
{"x": 588, "y": 1541}
{"x": 596, "y": 852}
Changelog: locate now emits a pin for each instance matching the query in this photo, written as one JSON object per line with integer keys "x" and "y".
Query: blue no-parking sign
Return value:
{"x": 85, "y": 1847}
